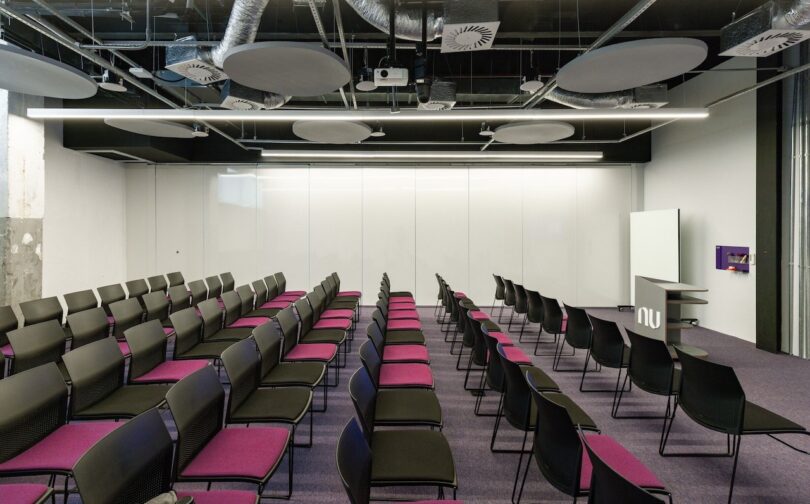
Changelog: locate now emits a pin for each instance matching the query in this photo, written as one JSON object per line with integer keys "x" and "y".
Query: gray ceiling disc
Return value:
{"x": 33, "y": 74}
{"x": 533, "y": 132}
{"x": 631, "y": 64}
{"x": 332, "y": 132}
{"x": 287, "y": 68}
{"x": 154, "y": 128}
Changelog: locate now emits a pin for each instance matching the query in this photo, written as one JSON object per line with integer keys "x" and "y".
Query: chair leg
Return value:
{"x": 523, "y": 483}
{"x": 520, "y": 463}
{"x": 492, "y": 308}
{"x": 538, "y": 342}
{"x": 509, "y": 326}
{"x": 737, "y": 441}
{"x": 522, "y": 328}
{"x": 501, "y": 312}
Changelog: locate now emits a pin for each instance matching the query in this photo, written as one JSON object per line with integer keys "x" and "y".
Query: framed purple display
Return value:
{"x": 732, "y": 258}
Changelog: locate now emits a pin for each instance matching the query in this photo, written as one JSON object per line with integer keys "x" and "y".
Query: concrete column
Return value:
{"x": 22, "y": 199}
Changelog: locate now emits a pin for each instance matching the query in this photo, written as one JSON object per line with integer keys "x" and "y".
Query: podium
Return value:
{"x": 658, "y": 308}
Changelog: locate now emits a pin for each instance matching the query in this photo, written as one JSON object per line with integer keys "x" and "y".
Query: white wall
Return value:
{"x": 563, "y": 231}
{"x": 84, "y": 228}
{"x": 708, "y": 170}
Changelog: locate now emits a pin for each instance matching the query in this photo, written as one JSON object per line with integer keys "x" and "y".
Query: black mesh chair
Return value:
{"x": 521, "y": 307}
{"x": 198, "y": 291}
{"x": 179, "y": 298}
{"x": 157, "y": 283}
{"x": 36, "y": 345}
{"x": 110, "y": 294}
{"x": 41, "y": 310}
{"x": 175, "y": 278}
{"x": 248, "y": 403}
{"x": 80, "y": 301}
{"x": 207, "y": 452}
{"x": 103, "y": 476}
{"x": 712, "y": 396}
{"x": 228, "y": 282}
{"x": 125, "y": 314}
{"x": 156, "y": 305}
{"x": 395, "y": 407}
{"x": 188, "y": 340}
{"x": 500, "y": 290}
{"x": 98, "y": 392}
{"x": 88, "y": 326}
{"x": 607, "y": 350}
{"x": 211, "y": 314}
{"x": 136, "y": 289}
{"x": 493, "y": 377}
{"x": 147, "y": 343}
{"x": 554, "y": 322}
{"x": 214, "y": 287}
{"x": 578, "y": 335}
{"x": 8, "y": 322}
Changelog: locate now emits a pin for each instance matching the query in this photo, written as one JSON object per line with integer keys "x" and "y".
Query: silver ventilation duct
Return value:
{"x": 771, "y": 28}
{"x": 654, "y": 96}
{"x": 408, "y": 20}
{"x": 243, "y": 24}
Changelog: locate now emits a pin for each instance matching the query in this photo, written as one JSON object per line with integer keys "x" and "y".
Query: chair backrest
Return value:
{"x": 228, "y": 282}
{"x": 80, "y": 301}
{"x": 196, "y": 403}
{"x": 376, "y": 337}
{"x": 34, "y": 405}
{"x": 379, "y": 319}
{"x": 281, "y": 281}
{"x": 187, "y": 330}
{"x": 335, "y": 278}
{"x": 214, "y": 287}
{"x": 88, "y": 326}
{"x": 607, "y": 343}
{"x": 137, "y": 288}
{"x": 179, "y": 297}
{"x": 556, "y": 447}
{"x": 156, "y": 305}
{"x": 198, "y": 291}
{"x": 96, "y": 370}
{"x": 317, "y": 301}
{"x": 246, "y": 297}
{"x": 127, "y": 313}
{"x": 330, "y": 288}
{"x": 147, "y": 344}
{"x": 364, "y": 398}
{"x": 651, "y": 365}
{"x": 157, "y": 283}
{"x": 521, "y": 299}
{"x": 371, "y": 361}
{"x": 608, "y": 486}
{"x": 517, "y": 400}
{"x": 711, "y": 394}
{"x": 272, "y": 287}
{"x": 243, "y": 367}
{"x": 268, "y": 339}
{"x": 534, "y": 313}
{"x": 289, "y": 328}
{"x": 36, "y": 345}
{"x": 175, "y": 278}
{"x": 110, "y": 294}
{"x": 479, "y": 347}
{"x": 233, "y": 306}
{"x": 260, "y": 288}
{"x": 578, "y": 328}
{"x": 8, "y": 322}
{"x": 211, "y": 317}
{"x": 322, "y": 289}
{"x": 305, "y": 315}
{"x": 354, "y": 463}
{"x": 103, "y": 476}
{"x": 508, "y": 292}
{"x": 552, "y": 315}
{"x": 500, "y": 288}
{"x": 494, "y": 369}
{"x": 40, "y": 310}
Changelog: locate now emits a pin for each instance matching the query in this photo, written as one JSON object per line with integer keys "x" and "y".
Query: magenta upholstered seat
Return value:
{"x": 168, "y": 331}
{"x": 619, "y": 459}
{"x": 565, "y": 322}
{"x": 502, "y": 338}
{"x": 59, "y": 450}
{"x": 350, "y": 293}
{"x": 280, "y": 305}
{"x": 124, "y": 347}
{"x": 337, "y": 313}
{"x": 404, "y": 325}
{"x": 7, "y": 351}
{"x": 333, "y": 323}
{"x": 22, "y": 493}
{"x": 406, "y": 375}
{"x": 298, "y": 293}
{"x": 249, "y": 322}
{"x": 403, "y": 315}
{"x": 110, "y": 320}
{"x": 479, "y": 315}
{"x": 287, "y": 297}
{"x": 402, "y": 300}
{"x": 405, "y": 353}
{"x": 171, "y": 371}
{"x": 516, "y": 355}
{"x": 220, "y": 496}
{"x": 239, "y": 451}
{"x": 401, "y": 307}
{"x": 312, "y": 351}
{"x": 459, "y": 295}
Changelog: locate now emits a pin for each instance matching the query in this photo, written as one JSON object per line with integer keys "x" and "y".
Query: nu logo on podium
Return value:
{"x": 648, "y": 317}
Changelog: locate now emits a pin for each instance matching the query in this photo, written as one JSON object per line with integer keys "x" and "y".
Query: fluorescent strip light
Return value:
{"x": 281, "y": 115}
{"x": 436, "y": 155}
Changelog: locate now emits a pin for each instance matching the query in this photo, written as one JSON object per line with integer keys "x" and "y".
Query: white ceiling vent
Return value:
{"x": 234, "y": 96}
{"x": 469, "y": 25}
{"x": 762, "y": 32}
{"x": 186, "y": 61}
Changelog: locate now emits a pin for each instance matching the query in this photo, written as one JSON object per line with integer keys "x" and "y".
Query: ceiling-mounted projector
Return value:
{"x": 390, "y": 77}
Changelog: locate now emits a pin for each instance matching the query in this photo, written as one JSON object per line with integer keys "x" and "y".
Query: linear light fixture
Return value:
{"x": 280, "y": 115}
{"x": 436, "y": 155}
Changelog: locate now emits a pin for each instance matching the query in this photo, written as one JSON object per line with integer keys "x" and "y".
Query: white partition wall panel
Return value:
{"x": 180, "y": 231}
{"x": 141, "y": 224}
{"x": 495, "y": 228}
{"x": 283, "y": 224}
{"x": 442, "y": 231}
{"x": 388, "y": 229}
{"x": 336, "y": 226}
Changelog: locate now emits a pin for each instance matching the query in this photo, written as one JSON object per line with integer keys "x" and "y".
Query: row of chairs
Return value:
{"x": 395, "y": 439}
{"x": 708, "y": 392}
{"x": 571, "y": 452}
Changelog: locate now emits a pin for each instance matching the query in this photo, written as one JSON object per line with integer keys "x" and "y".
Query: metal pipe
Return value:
{"x": 118, "y": 47}
{"x": 342, "y": 36}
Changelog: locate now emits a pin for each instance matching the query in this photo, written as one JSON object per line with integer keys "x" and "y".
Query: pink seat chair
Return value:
{"x": 148, "y": 363}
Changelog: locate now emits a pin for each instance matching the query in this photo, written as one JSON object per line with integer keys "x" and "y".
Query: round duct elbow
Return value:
{"x": 408, "y": 21}
{"x": 620, "y": 99}
{"x": 274, "y": 101}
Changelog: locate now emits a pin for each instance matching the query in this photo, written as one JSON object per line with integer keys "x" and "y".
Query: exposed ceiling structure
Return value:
{"x": 444, "y": 56}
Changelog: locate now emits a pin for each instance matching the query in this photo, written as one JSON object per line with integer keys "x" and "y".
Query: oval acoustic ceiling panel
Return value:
{"x": 33, "y": 74}
{"x": 287, "y": 68}
{"x": 153, "y": 128}
{"x": 532, "y": 132}
{"x": 332, "y": 132}
{"x": 631, "y": 64}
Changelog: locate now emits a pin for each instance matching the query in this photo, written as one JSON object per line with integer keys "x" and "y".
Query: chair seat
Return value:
{"x": 264, "y": 312}
{"x": 171, "y": 371}
{"x": 307, "y": 374}
{"x": 577, "y": 414}
{"x": 231, "y": 334}
{"x": 205, "y": 350}
{"x": 251, "y": 322}
{"x": 59, "y": 450}
{"x": 298, "y": 293}
{"x": 404, "y": 325}
{"x": 411, "y": 456}
{"x": 333, "y": 336}
{"x": 220, "y": 496}
{"x": 516, "y": 355}
{"x": 479, "y": 315}
{"x": 541, "y": 379}
{"x": 758, "y": 419}
{"x": 336, "y": 313}
{"x": 168, "y": 331}
{"x": 502, "y": 338}
{"x": 126, "y": 402}
{"x": 403, "y": 315}
{"x": 239, "y": 452}
{"x": 124, "y": 347}
{"x": 333, "y": 323}
{"x": 275, "y": 304}
{"x": 619, "y": 459}
{"x": 459, "y": 295}
{"x": 339, "y": 304}
{"x": 404, "y": 338}
{"x": 405, "y": 375}
{"x": 323, "y": 352}
{"x": 23, "y": 493}
{"x": 287, "y": 404}
{"x": 7, "y": 350}
{"x": 400, "y": 294}
{"x": 406, "y": 353}
{"x": 407, "y": 407}
{"x": 491, "y": 326}
{"x": 356, "y": 294}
